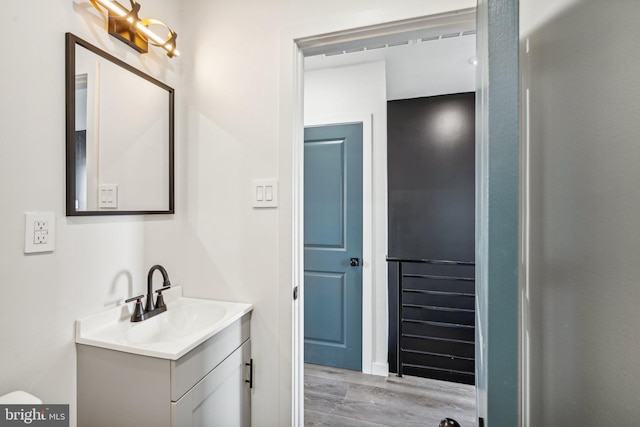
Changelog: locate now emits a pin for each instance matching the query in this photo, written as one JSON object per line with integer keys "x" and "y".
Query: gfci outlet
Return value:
{"x": 39, "y": 232}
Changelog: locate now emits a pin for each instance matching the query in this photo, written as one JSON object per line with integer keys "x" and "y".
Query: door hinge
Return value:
{"x": 295, "y": 293}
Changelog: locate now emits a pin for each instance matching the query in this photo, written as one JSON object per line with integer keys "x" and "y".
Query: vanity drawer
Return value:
{"x": 187, "y": 371}
{"x": 222, "y": 398}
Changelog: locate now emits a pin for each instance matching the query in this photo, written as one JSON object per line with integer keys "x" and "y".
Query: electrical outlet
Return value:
{"x": 39, "y": 232}
{"x": 41, "y": 237}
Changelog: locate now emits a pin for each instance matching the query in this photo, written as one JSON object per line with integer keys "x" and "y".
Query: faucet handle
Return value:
{"x": 160, "y": 298}
{"x": 163, "y": 289}
{"x": 138, "y": 298}
{"x": 138, "y": 311}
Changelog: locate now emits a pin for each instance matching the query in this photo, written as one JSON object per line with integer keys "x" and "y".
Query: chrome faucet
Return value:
{"x": 150, "y": 308}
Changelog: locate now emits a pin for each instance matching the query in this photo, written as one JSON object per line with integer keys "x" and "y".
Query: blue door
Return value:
{"x": 333, "y": 245}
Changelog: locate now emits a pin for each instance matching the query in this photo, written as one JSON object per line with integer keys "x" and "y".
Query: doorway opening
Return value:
{"x": 363, "y": 55}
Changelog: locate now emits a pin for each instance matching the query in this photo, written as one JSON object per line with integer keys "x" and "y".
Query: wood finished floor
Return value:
{"x": 343, "y": 398}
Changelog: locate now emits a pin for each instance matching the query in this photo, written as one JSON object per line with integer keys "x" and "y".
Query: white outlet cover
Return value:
{"x": 39, "y": 232}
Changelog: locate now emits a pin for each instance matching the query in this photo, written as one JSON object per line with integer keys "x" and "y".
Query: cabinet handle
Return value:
{"x": 250, "y": 380}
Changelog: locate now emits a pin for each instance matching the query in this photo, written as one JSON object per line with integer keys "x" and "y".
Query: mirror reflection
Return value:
{"x": 120, "y": 145}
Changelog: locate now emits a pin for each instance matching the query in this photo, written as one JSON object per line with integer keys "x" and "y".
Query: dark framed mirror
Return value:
{"x": 120, "y": 136}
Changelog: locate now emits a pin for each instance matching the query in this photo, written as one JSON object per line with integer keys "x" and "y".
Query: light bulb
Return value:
{"x": 112, "y": 7}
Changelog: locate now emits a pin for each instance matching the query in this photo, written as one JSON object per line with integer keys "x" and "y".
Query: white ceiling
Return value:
{"x": 417, "y": 68}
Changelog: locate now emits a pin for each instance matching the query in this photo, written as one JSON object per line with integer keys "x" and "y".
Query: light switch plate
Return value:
{"x": 39, "y": 232}
{"x": 108, "y": 196}
{"x": 264, "y": 193}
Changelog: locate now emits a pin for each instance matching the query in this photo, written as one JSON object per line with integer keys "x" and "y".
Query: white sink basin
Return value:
{"x": 185, "y": 317}
{"x": 169, "y": 335}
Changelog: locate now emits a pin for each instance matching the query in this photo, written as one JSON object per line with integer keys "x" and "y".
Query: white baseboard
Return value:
{"x": 380, "y": 369}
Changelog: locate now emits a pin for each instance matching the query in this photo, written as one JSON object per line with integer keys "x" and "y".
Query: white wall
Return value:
{"x": 581, "y": 137}
{"x": 334, "y": 95}
{"x": 97, "y": 261}
{"x": 534, "y": 14}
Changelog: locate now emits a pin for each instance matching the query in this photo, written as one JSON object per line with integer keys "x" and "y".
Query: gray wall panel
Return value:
{"x": 583, "y": 70}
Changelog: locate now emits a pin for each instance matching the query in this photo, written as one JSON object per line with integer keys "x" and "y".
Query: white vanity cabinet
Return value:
{"x": 208, "y": 386}
{"x": 221, "y": 398}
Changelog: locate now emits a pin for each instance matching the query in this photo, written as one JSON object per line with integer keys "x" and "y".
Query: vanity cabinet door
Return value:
{"x": 222, "y": 398}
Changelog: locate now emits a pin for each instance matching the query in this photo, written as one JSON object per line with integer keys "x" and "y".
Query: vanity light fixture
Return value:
{"x": 126, "y": 26}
